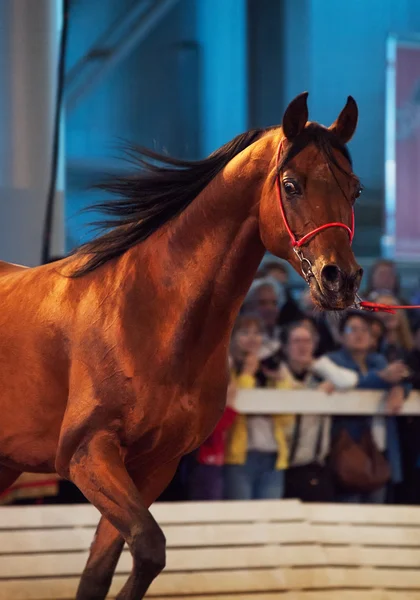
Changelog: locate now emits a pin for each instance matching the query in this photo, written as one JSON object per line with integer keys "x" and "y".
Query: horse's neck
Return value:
{"x": 204, "y": 260}
{"x": 215, "y": 246}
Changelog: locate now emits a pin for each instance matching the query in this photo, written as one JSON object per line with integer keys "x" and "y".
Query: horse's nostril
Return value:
{"x": 332, "y": 277}
{"x": 359, "y": 273}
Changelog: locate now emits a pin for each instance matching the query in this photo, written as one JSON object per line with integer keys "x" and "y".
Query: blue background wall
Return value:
{"x": 213, "y": 68}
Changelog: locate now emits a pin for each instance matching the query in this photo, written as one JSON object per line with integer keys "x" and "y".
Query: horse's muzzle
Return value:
{"x": 335, "y": 280}
{"x": 335, "y": 288}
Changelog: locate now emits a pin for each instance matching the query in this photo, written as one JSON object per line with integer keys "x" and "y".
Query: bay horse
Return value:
{"x": 114, "y": 359}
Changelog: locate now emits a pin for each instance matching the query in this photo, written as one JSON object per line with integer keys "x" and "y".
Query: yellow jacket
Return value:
{"x": 288, "y": 382}
{"x": 237, "y": 444}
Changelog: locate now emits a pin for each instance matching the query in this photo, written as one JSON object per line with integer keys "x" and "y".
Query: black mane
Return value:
{"x": 160, "y": 190}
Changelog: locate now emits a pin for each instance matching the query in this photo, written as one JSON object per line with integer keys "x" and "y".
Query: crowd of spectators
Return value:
{"x": 282, "y": 341}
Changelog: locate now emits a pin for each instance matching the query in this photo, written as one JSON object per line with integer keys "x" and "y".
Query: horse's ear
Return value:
{"x": 345, "y": 126}
{"x": 295, "y": 116}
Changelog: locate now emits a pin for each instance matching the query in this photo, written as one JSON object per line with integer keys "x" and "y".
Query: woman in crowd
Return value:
{"x": 326, "y": 324}
{"x": 265, "y": 299}
{"x": 258, "y": 446}
{"x": 383, "y": 278}
{"x": 290, "y": 311}
{"x": 397, "y": 341}
{"x": 277, "y": 270}
{"x": 374, "y": 373}
{"x": 378, "y": 331}
{"x": 256, "y": 453}
{"x": 308, "y": 477}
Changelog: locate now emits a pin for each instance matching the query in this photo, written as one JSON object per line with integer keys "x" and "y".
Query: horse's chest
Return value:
{"x": 173, "y": 426}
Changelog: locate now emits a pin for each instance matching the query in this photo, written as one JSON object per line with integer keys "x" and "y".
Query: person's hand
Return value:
{"x": 395, "y": 400}
{"x": 394, "y": 372}
{"x": 251, "y": 364}
{"x": 327, "y": 387}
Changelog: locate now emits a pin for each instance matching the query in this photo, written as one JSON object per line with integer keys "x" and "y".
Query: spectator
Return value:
{"x": 260, "y": 274}
{"x": 265, "y": 298}
{"x": 326, "y": 324}
{"x": 378, "y": 331}
{"x": 206, "y": 478}
{"x": 398, "y": 339}
{"x": 308, "y": 477}
{"x": 289, "y": 311}
{"x": 415, "y": 301}
{"x": 277, "y": 270}
{"x": 256, "y": 453}
{"x": 383, "y": 278}
{"x": 374, "y": 373}
{"x": 409, "y": 429}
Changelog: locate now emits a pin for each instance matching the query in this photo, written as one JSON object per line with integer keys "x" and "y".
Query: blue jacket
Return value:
{"x": 357, "y": 425}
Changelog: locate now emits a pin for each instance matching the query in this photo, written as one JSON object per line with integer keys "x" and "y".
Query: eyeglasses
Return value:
{"x": 353, "y": 329}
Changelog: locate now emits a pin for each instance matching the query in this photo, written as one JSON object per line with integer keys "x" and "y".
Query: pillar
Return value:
{"x": 29, "y": 44}
{"x": 222, "y": 36}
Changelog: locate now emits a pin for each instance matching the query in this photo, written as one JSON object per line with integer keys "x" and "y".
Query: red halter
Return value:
{"x": 306, "y": 265}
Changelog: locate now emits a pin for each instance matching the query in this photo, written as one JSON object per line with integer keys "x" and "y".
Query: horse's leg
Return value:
{"x": 104, "y": 554}
{"x": 99, "y": 472}
{"x": 108, "y": 543}
{"x": 149, "y": 489}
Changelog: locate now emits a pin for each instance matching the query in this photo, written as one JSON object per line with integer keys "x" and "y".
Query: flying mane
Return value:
{"x": 164, "y": 187}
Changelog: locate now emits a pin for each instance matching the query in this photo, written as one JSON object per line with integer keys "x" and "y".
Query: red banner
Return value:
{"x": 407, "y": 152}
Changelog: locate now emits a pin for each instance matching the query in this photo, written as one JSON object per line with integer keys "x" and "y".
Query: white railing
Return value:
{"x": 355, "y": 402}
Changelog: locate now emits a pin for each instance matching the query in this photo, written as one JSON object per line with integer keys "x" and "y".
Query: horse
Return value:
{"x": 114, "y": 358}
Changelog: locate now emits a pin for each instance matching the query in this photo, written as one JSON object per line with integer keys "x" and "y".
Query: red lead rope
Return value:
{"x": 389, "y": 308}
{"x": 365, "y": 305}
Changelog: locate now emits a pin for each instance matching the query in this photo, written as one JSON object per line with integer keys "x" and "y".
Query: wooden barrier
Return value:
{"x": 355, "y": 402}
{"x": 260, "y": 550}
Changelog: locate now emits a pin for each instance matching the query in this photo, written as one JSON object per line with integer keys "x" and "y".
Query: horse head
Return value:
{"x": 308, "y": 217}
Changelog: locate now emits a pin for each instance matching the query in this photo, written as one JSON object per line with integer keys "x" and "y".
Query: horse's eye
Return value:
{"x": 358, "y": 192}
{"x": 291, "y": 188}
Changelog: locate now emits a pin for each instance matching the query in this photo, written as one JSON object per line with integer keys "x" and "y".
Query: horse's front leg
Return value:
{"x": 97, "y": 468}
{"x": 104, "y": 554}
{"x": 108, "y": 543}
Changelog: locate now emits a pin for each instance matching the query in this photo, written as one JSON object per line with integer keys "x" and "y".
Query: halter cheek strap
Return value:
{"x": 305, "y": 263}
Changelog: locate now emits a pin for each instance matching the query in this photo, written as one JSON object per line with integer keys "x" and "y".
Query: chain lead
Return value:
{"x": 305, "y": 265}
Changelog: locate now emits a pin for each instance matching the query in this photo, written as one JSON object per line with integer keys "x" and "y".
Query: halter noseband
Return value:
{"x": 305, "y": 263}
